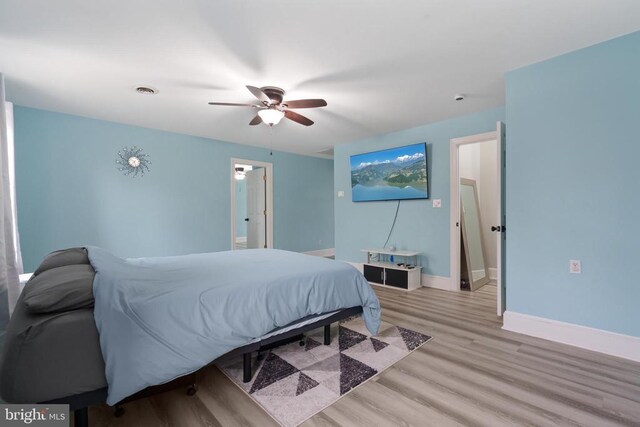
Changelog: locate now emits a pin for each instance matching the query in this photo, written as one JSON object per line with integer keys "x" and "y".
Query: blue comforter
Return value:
{"x": 161, "y": 318}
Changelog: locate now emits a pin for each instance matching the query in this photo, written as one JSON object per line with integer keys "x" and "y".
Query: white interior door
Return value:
{"x": 256, "y": 208}
{"x": 500, "y": 234}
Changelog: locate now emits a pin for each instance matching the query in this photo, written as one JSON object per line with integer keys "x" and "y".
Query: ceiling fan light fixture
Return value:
{"x": 271, "y": 116}
{"x": 272, "y": 109}
{"x": 240, "y": 174}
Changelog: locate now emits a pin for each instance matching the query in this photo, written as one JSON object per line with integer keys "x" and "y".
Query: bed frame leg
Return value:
{"x": 246, "y": 367}
{"x": 81, "y": 417}
{"x": 327, "y": 334}
{"x": 118, "y": 411}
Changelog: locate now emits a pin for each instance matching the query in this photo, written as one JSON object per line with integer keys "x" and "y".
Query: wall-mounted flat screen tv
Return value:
{"x": 393, "y": 174}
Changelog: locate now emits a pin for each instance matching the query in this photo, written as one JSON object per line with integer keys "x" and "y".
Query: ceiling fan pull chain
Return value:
{"x": 271, "y": 140}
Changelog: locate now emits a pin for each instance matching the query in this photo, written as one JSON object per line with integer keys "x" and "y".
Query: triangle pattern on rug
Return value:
{"x": 412, "y": 339}
{"x": 392, "y": 337}
{"x": 391, "y": 332}
{"x": 273, "y": 369}
{"x": 353, "y": 373}
{"x": 311, "y": 344}
{"x": 295, "y": 382}
{"x": 378, "y": 345}
{"x": 332, "y": 384}
{"x": 285, "y": 388}
{"x": 330, "y": 364}
{"x": 348, "y": 338}
{"x": 305, "y": 383}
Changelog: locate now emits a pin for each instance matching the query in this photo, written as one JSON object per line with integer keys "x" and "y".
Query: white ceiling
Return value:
{"x": 382, "y": 65}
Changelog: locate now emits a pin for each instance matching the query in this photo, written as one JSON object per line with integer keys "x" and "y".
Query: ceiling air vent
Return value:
{"x": 146, "y": 90}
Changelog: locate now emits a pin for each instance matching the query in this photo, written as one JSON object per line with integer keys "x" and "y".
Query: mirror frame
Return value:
{"x": 473, "y": 284}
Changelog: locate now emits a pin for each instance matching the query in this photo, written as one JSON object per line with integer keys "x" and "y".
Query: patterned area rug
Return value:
{"x": 293, "y": 383}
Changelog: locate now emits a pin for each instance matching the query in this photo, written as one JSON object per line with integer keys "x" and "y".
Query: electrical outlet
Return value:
{"x": 574, "y": 266}
{"x": 340, "y": 193}
{"x": 437, "y": 203}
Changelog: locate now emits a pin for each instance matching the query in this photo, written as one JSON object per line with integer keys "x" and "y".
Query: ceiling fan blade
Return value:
{"x": 232, "y": 104}
{"x": 258, "y": 93}
{"x": 256, "y": 121}
{"x": 306, "y": 103}
{"x": 298, "y": 118}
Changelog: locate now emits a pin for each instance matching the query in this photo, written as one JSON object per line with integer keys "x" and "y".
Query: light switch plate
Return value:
{"x": 340, "y": 193}
{"x": 574, "y": 266}
{"x": 437, "y": 203}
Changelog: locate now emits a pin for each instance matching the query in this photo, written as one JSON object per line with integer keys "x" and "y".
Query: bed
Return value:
{"x": 76, "y": 355}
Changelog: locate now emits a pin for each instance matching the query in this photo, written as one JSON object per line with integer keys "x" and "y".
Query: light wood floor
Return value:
{"x": 471, "y": 373}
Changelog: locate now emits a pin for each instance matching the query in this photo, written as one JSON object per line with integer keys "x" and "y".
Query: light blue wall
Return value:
{"x": 241, "y": 208}
{"x": 419, "y": 226}
{"x": 573, "y": 144}
{"x": 70, "y": 193}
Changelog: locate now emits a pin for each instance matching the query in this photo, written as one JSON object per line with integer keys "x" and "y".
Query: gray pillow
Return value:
{"x": 72, "y": 256}
{"x": 60, "y": 289}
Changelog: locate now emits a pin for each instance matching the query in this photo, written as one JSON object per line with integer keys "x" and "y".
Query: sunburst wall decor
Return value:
{"x": 132, "y": 161}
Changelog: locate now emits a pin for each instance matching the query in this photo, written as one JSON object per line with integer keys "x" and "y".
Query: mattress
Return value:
{"x": 162, "y": 318}
{"x": 52, "y": 356}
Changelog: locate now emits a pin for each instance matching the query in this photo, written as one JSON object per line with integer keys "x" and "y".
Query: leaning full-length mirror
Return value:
{"x": 473, "y": 246}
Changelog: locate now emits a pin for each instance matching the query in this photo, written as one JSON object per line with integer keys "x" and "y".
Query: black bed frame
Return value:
{"x": 79, "y": 403}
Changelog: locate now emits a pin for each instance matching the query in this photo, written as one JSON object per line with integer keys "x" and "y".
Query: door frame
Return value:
{"x": 268, "y": 196}
{"x": 454, "y": 146}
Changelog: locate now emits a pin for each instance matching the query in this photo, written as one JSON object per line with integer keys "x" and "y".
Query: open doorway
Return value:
{"x": 478, "y": 205}
{"x": 477, "y": 214}
{"x": 251, "y": 204}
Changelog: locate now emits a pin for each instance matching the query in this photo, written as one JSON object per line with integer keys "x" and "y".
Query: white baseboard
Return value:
{"x": 241, "y": 239}
{"x": 437, "y": 282}
{"x": 493, "y": 276}
{"x": 323, "y": 252}
{"x": 614, "y": 344}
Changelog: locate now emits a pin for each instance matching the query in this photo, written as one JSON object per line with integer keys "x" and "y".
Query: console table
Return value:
{"x": 397, "y": 269}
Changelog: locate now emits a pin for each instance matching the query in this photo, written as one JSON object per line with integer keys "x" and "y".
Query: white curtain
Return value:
{"x": 10, "y": 259}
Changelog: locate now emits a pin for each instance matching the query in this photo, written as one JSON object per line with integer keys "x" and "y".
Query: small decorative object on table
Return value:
{"x": 132, "y": 161}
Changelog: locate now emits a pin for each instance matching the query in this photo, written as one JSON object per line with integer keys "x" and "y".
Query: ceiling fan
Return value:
{"x": 272, "y": 108}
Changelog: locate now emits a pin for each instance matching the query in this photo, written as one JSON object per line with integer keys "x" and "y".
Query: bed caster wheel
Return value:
{"x": 301, "y": 343}
{"x": 118, "y": 411}
{"x": 192, "y": 390}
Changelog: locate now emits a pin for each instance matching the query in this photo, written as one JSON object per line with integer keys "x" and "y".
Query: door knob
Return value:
{"x": 246, "y": 219}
